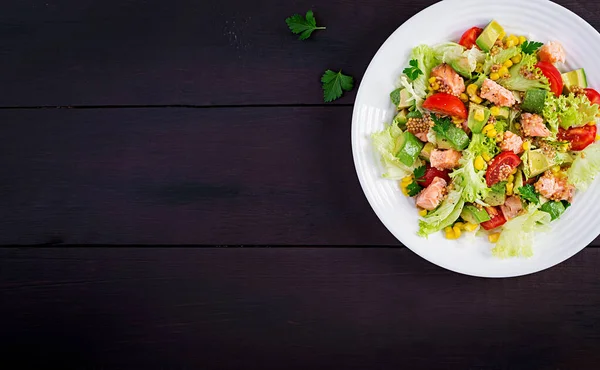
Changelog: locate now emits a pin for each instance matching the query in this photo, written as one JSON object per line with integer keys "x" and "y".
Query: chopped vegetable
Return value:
{"x": 447, "y": 213}
{"x": 568, "y": 111}
{"x": 516, "y": 239}
{"x": 585, "y": 167}
{"x": 528, "y": 193}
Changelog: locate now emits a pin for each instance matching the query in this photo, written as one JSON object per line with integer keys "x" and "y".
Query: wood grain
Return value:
{"x": 303, "y": 307}
{"x": 144, "y": 52}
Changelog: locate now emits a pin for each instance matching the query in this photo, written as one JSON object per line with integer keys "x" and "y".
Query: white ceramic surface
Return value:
{"x": 541, "y": 20}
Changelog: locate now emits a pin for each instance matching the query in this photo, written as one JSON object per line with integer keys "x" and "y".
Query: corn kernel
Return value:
{"x": 516, "y": 59}
{"x": 509, "y": 188}
{"x": 492, "y": 133}
{"x": 502, "y": 35}
{"x": 450, "y": 235}
{"x": 448, "y": 229}
{"x": 470, "y": 227}
{"x": 597, "y": 137}
{"x": 457, "y": 231}
{"x": 464, "y": 97}
{"x": 476, "y": 100}
{"x": 555, "y": 169}
{"x": 422, "y": 212}
{"x": 479, "y": 163}
{"x": 508, "y": 63}
{"x": 591, "y": 123}
{"x": 486, "y": 157}
{"x": 407, "y": 180}
{"x": 479, "y": 115}
{"x": 500, "y": 137}
{"x": 460, "y": 225}
{"x": 503, "y": 71}
{"x": 493, "y": 238}
{"x": 472, "y": 89}
{"x": 487, "y": 128}
{"x": 511, "y": 178}
{"x": 404, "y": 191}
{"x": 522, "y": 39}
{"x": 495, "y": 111}
{"x": 510, "y": 43}
{"x": 479, "y": 68}
{"x": 494, "y": 76}
{"x": 432, "y": 80}
{"x": 435, "y": 86}
{"x": 518, "y": 126}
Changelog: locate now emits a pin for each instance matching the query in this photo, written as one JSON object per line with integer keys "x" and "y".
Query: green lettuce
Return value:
{"x": 425, "y": 56}
{"x": 516, "y": 239}
{"x": 481, "y": 144}
{"x": 517, "y": 80}
{"x": 500, "y": 58}
{"x": 448, "y": 212}
{"x": 569, "y": 111}
{"x": 385, "y": 144}
{"x": 585, "y": 167}
{"x": 469, "y": 179}
{"x": 461, "y": 60}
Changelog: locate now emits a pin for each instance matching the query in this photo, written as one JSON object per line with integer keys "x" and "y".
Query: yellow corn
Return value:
{"x": 448, "y": 229}
{"x": 495, "y": 111}
{"x": 407, "y": 180}
{"x": 422, "y": 212}
{"x": 479, "y": 163}
{"x": 460, "y": 225}
{"x": 591, "y": 123}
{"x": 476, "y": 99}
{"x": 457, "y": 231}
{"x": 518, "y": 126}
{"x": 510, "y": 43}
{"x": 503, "y": 71}
{"x": 464, "y": 97}
{"x": 479, "y": 68}
{"x": 404, "y": 190}
{"x": 494, "y": 76}
{"x": 516, "y": 59}
{"x": 509, "y": 188}
{"x": 502, "y": 35}
{"x": 432, "y": 80}
{"x": 522, "y": 39}
{"x": 470, "y": 227}
{"x": 500, "y": 137}
{"x": 492, "y": 133}
{"x": 450, "y": 235}
{"x": 487, "y": 128}
{"x": 511, "y": 178}
{"x": 472, "y": 89}
{"x": 493, "y": 238}
{"x": 435, "y": 87}
{"x": 597, "y": 137}
{"x": 555, "y": 169}
{"x": 479, "y": 115}
{"x": 508, "y": 63}
{"x": 486, "y": 157}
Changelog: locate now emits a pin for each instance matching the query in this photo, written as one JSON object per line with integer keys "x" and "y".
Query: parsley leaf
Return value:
{"x": 413, "y": 189}
{"x": 303, "y": 25}
{"x": 334, "y": 83}
{"x": 528, "y": 192}
{"x": 420, "y": 172}
{"x": 441, "y": 125}
{"x": 499, "y": 187}
{"x": 413, "y": 71}
{"x": 529, "y": 47}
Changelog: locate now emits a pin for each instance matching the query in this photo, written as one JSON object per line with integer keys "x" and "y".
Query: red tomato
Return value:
{"x": 553, "y": 76}
{"x": 496, "y": 218}
{"x": 580, "y": 137}
{"x": 497, "y": 170}
{"x": 430, "y": 174}
{"x": 446, "y": 104}
{"x": 470, "y": 36}
{"x": 593, "y": 95}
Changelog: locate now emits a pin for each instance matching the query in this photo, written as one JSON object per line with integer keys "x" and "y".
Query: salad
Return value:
{"x": 490, "y": 137}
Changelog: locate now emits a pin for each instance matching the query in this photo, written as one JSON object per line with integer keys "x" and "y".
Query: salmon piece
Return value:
{"x": 450, "y": 81}
{"x": 552, "y": 52}
{"x": 554, "y": 188}
{"x": 444, "y": 159}
{"x": 497, "y": 94}
{"x": 422, "y": 136}
{"x": 512, "y": 142}
{"x": 533, "y": 125}
{"x": 511, "y": 207}
{"x": 432, "y": 196}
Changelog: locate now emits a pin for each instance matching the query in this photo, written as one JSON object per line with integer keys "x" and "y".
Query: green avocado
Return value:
{"x": 455, "y": 138}
{"x": 475, "y": 125}
{"x": 518, "y": 180}
{"x": 400, "y": 98}
{"x": 497, "y": 195}
{"x": 535, "y": 162}
{"x": 401, "y": 119}
{"x": 488, "y": 37}
{"x": 574, "y": 78}
{"x": 408, "y": 148}
{"x": 504, "y": 113}
{"x": 426, "y": 151}
{"x": 474, "y": 215}
{"x": 534, "y": 100}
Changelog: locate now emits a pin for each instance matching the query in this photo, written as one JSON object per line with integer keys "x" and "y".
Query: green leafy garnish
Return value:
{"x": 499, "y": 187}
{"x": 334, "y": 83}
{"x": 413, "y": 189}
{"x": 303, "y": 25}
{"x": 420, "y": 172}
{"x": 413, "y": 71}
{"x": 529, "y": 47}
{"x": 555, "y": 209}
{"x": 528, "y": 193}
{"x": 441, "y": 125}
{"x": 444, "y": 129}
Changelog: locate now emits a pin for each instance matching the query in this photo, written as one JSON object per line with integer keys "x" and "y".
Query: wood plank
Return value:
{"x": 298, "y": 307}
{"x": 141, "y": 52}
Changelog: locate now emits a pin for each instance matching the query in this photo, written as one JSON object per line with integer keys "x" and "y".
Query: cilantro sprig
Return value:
{"x": 420, "y": 172}
{"x": 334, "y": 83}
{"x": 528, "y": 192}
{"x": 413, "y": 71}
{"x": 413, "y": 189}
{"x": 529, "y": 47}
{"x": 303, "y": 25}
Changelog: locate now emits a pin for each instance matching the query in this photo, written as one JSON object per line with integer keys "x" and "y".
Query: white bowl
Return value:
{"x": 541, "y": 20}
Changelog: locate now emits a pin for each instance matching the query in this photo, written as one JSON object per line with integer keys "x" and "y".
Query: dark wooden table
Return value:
{"x": 200, "y": 125}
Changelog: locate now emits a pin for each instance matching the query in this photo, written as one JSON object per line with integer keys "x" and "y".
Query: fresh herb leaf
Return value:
{"x": 565, "y": 204}
{"x": 529, "y": 47}
{"x": 555, "y": 209}
{"x": 303, "y": 25}
{"x": 334, "y": 83}
{"x": 413, "y": 71}
{"x": 420, "y": 172}
{"x": 499, "y": 187}
{"x": 413, "y": 189}
{"x": 395, "y": 96}
{"x": 528, "y": 193}
{"x": 441, "y": 125}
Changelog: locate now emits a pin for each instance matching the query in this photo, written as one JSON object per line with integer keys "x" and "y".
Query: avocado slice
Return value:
{"x": 574, "y": 78}
{"x": 518, "y": 180}
{"x": 454, "y": 138}
{"x": 535, "y": 163}
{"x": 474, "y": 215}
{"x": 504, "y": 113}
{"x": 401, "y": 119}
{"x": 488, "y": 37}
{"x": 426, "y": 151}
{"x": 497, "y": 195}
{"x": 408, "y": 148}
{"x": 475, "y": 125}
{"x": 534, "y": 100}
{"x": 400, "y": 98}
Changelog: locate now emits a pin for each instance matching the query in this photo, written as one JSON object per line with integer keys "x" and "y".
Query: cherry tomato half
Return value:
{"x": 430, "y": 174}
{"x": 593, "y": 95}
{"x": 553, "y": 76}
{"x": 497, "y": 219}
{"x": 501, "y": 167}
{"x": 446, "y": 104}
{"x": 580, "y": 137}
{"x": 470, "y": 36}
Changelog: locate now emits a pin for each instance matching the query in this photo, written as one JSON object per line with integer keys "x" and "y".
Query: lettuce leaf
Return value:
{"x": 568, "y": 111}
{"x": 518, "y": 82}
{"x": 445, "y": 215}
{"x": 585, "y": 167}
{"x": 516, "y": 239}
{"x": 471, "y": 180}
{"x": 500, "y": 58}
{"x": 385, "y": 144}
{"x": 481, "y": 144}
{"x": 425, "y": 56}
{"x": 461, "y": 60}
